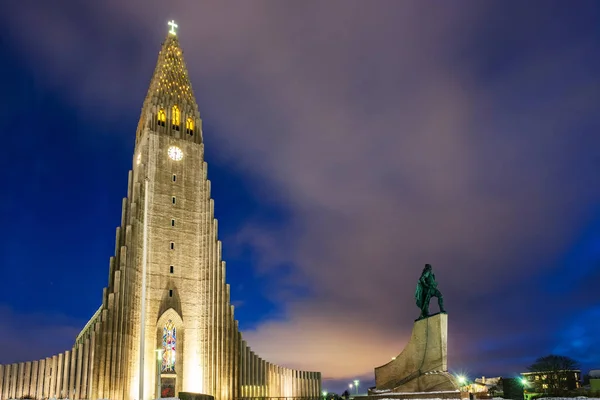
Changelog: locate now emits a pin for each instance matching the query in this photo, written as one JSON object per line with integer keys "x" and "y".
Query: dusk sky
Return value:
{"x": 348, "y": 144}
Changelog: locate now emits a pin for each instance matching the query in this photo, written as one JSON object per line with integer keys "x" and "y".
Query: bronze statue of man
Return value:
{"x": 426, "y": 289}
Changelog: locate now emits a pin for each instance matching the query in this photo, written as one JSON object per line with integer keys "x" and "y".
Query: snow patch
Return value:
{"x": 568, "y": 398}
{"x": 404, "y": 393}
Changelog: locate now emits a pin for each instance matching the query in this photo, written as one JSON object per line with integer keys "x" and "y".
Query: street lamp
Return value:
{"x": 356, "y": 385}
{"x": 523, "y": 381}
{"x": 462, "y": 382}
{"x": 350, "y": 386}
{"x": 159, "y": 353}
{"x": 324, "y": 394}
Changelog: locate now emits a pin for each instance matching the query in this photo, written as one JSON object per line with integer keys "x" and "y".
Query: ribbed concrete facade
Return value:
{"x": 168, "y": 229}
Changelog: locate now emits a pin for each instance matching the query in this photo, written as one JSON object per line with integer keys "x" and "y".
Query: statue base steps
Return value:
{"x": 441, "y": 395}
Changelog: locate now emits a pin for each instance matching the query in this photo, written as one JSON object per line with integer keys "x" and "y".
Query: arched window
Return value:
{"x": 189, "y": 126}
{"x": 169, "y": 342}
{"x": 176, "y": 118}
{"x": 162, "y": 117}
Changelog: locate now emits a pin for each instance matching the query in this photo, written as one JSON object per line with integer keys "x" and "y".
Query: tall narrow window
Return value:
{"x": 161, "y": 118}
{"x": 170, "y": 292}
{"x": 189, "y": 126}
{"x": 174, "y": 177}
{"x": 171, "y": 269}
{"x": 172, "y": 246}
{"x": 173, "y": 199}
{"x": 172, "y": 222}
{"x": 176, "y": 117}
{"x": 169, "y": 343}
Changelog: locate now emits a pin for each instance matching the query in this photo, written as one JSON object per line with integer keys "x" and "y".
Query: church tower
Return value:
{"x": 166, "y": 324}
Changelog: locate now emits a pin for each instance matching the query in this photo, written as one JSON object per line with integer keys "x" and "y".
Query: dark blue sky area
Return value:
{"x": 347, "y": 144}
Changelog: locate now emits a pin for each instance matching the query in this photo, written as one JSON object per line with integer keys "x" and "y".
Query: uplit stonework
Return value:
{"x": 420, "y": 371}
{"x": 190, "y": 335}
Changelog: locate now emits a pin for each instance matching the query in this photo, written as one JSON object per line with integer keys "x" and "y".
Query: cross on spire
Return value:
{"x": 173, "y": 26}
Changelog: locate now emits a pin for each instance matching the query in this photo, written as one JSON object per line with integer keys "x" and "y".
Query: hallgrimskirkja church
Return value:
{"x": 166, "y": 324}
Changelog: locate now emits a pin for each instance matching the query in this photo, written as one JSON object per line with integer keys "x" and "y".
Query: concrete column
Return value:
{"x": 64, "y": 389}
{"x": 1, "y": 380}
{"x": 78, "y": 372}
{"x": 48, "y": 377}
{"x": 6, "y": 382}
{"x": 26, "y": 380}
{"x": 219, "y": 337}
{"x": 72, "y": 371}
{"x": 14, "y": 377}
{"x": 59, "y": 375}
{"x": 253, "y": 374}
{"x": 294, "y": 383}
{"x": 116, "y": 360}
{"x": 53, "y": 377}
{"x": 317, "y": 382}
{"x": 257, "y": 380}
{"x": 85, "y": 374}
{"x": 242, "y": 368}
{"x": 212, "y": 274}
{"x": 33, "y": 380}
{"x": 94, "y": 355}
{"x": 20, "y": 379}
{"x": 105, "y": 370}
{"x": 41, "y": 379}
{"x": 249, "y": 382}
{"x": 99, "y": 359}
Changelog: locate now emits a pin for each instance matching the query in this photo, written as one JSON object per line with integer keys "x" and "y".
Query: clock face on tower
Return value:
{"x": 175, "y": 153}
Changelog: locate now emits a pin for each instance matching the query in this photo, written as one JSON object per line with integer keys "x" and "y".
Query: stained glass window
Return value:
{"x": 169, "y": 341}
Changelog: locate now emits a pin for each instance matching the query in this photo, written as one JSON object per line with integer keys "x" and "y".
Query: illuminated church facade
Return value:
{"x": 166, "y": 324}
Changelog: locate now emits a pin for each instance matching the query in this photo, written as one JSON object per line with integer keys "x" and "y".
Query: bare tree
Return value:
{"x": 554, "y": 372}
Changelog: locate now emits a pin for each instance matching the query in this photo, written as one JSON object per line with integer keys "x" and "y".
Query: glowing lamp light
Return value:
{"x": 461, "y": 379}
{"x": 523, "y": 381}
{"x": 350, "y": 386}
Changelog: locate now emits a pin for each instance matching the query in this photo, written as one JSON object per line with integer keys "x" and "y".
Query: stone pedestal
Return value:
{"x": 421, "y": 369}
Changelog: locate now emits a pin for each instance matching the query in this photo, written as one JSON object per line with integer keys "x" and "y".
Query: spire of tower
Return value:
{"x": 171, "y": 78}
{"x": 170, "y": 87}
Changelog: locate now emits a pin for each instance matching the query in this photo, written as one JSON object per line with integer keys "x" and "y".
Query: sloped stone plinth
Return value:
{"x": 422, "y": 367}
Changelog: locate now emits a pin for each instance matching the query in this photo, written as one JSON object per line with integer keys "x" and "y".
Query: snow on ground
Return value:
{"x": 568, "y": 398}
